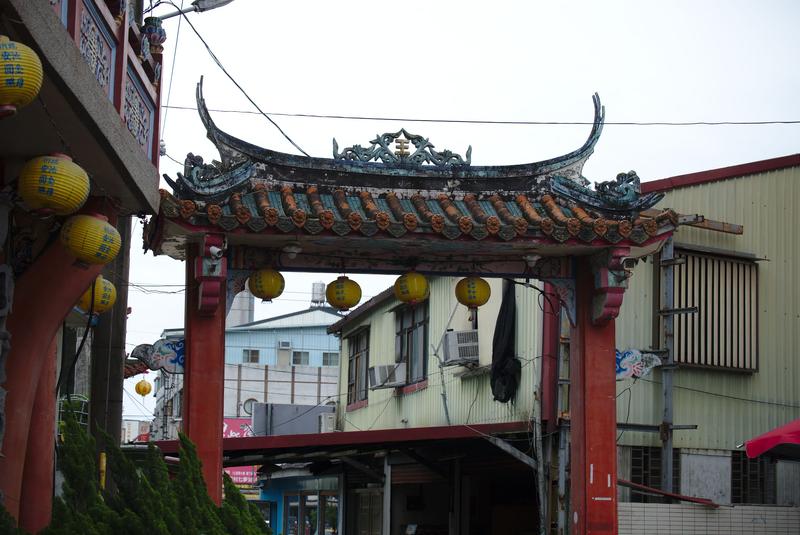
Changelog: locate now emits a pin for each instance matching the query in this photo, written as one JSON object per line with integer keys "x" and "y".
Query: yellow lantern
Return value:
{"x": 53, "y": 185}
{"x": 91, "y": 239}
{"x": 20, "y": 76}
{"x": 343, "y": 294}
{"x": 266, "y": 284}
{"x": 411, "y": 288}
{"x": 473, "y": 292}
{"x": 105, "y": 295}
{"x": 143, "y": 388}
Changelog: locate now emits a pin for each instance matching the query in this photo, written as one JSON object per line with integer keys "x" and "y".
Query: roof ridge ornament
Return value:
{"x": 381, "y": 150}
{"x": 621, "y": 196}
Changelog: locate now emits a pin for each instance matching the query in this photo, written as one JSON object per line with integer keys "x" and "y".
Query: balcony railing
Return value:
{"x": 122, "y": 60}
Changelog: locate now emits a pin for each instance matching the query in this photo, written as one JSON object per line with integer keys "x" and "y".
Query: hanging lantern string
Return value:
{"x": 65, "y": 146}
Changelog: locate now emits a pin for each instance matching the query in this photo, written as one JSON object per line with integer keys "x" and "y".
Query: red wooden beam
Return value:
{"x": 355, "y": 438}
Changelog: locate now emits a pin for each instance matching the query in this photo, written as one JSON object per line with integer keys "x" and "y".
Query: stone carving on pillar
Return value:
{"x": 210, "y": 270}
{"x": 610, "y": 283}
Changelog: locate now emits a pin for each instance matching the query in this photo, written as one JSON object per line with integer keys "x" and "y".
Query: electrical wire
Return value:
{"x": 171, "y": 71}
{"x": 495, "y": 122}
{"x": 232, "y": 79}
{"x": 728, "y": 396}
{"x": 71, "y": 369}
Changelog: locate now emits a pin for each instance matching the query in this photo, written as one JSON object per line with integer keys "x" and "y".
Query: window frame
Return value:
{"x": 328, "y": 353}
{"x": 301, "y": 353}
{"x": 411, "y": 345}
{"x": 720, "y": 336}
{"x": 247, "y": 354}
{"x": 358, "y": 361}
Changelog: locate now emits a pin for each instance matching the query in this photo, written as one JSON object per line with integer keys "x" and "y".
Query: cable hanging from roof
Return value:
{"x": 232, "y": 79}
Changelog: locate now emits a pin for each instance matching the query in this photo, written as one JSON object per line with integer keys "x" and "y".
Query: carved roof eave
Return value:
{"x": 506, "y": 241}
{"x": 234, "y": 150}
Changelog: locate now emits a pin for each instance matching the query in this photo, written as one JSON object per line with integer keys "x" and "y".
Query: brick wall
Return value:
{"x": 689, "y": 519}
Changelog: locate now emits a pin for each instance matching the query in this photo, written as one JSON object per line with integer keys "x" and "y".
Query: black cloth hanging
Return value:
{"x": 506, "y": 367}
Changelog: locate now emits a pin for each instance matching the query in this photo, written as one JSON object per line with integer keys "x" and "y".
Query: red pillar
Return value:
{"x": 43, "y": 296}
{"x": 36, "y": 505}
{"x": 593, "y": 456}
{"x": 204, "y": 374}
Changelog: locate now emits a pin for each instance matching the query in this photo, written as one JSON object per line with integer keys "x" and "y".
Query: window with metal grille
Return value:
{"x": 250, "y": 356}
{"x": 358, "y": 362}
{"x": 646, "y": 470}
{"x": 411, "y": 341}
{"x": 724, "y": 331}
{"x": 330, "y": 359}
{"x": 300, "y": 358}
{"x": 752, "y": 480}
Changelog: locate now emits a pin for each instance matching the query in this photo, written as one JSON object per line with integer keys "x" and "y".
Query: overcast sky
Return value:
{"x": 500, "y": 61}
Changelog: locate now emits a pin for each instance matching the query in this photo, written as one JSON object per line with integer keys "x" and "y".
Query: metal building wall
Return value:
{"x": 469, "y": 399}
{"x": 728, "y": 407}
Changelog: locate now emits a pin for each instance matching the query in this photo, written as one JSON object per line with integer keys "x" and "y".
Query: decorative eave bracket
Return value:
{"x": 610, "y": 283}
{"x": 210, "y": 270}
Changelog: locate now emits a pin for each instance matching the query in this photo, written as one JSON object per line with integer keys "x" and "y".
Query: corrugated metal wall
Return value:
{"x": 729, "y": 407}
{"x": 469, "y": 399}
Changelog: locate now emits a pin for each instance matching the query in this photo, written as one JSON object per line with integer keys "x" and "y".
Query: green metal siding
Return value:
{"x": 469, "y": 399}
{"x": 728, "y": 407}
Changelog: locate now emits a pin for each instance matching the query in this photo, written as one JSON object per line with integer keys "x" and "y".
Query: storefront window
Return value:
{"x": 311, "y": 513}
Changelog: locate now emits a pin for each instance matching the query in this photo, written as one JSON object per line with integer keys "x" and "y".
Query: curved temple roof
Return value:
{"x": 539, "y": 206}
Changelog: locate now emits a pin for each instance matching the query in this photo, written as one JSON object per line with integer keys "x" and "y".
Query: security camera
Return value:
{"x": 630, "y": 263}
{"x": 215, "y": 252}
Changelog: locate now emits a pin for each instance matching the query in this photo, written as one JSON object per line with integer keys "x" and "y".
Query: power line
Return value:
{"x": 750, "y": 400}
{"x": 171, "y": 71}
{"x": 487, "y": 121}
{"x": 231, "y": 78}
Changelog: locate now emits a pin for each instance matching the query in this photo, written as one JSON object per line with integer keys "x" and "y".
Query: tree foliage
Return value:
{"x": 144, "y": 498}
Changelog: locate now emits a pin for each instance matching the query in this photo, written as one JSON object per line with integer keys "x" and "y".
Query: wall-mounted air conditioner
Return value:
{"x": 460, "y": 348}
{"x": 327, "y": 422}
{"x": 387, "y": 376}
{"x": 285, "y": 344}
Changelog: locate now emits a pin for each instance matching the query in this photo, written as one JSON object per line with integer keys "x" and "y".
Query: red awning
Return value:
{"x": 783, "y": 441}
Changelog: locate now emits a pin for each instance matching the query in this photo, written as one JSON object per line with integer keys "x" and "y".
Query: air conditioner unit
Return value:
{"x": 327, "y": 422}
{"x": 387, "y": 376}
{"x": 285, "y": 344}
{"x": 461, "y": 348}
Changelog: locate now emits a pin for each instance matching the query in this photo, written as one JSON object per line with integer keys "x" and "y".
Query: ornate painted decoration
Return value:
{"x": 634, "y": 363}
{"x": 381, "y": 150}
{"x": 95, "y": 49}
{"x": 155, "y": 33}
{"x": 167, "y": 355}
{"x": 136, "y": 114}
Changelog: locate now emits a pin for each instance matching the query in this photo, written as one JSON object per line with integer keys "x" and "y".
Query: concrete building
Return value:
{"x": 287, "y": 359}
{"x": 98, "y": 104}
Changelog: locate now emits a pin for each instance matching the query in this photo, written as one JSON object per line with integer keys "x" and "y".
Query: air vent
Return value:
{"x": 461, "y": 348}
{"x": 327, "y": 422}
{"x": 285, "y": 344}
{"x": 387, "y": 376}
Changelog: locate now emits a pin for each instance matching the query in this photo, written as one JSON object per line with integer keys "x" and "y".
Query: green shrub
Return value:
{"x": 144, "y": 498}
